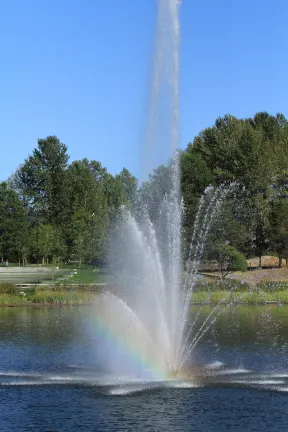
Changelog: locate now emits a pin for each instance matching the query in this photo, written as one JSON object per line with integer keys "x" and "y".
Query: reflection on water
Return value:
{"x": 50, "y": 379}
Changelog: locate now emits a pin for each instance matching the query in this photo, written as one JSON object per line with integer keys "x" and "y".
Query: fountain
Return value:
{"x": 144, "y": 319}
{"x": 145, "y": 316}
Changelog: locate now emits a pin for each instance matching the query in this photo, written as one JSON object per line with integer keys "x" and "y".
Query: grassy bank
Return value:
{"x": 235, "y": 297}
{"x": 231, "y": 292}
{"x": 237, "y": 292}
{"x": 54, "y": 295}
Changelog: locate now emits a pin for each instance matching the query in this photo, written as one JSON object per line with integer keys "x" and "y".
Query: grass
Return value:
{"x": 76, "y": 290}
{"x": 231, "y": 292}
{"x": 236, "y": 292}
{"x": 235, "y": 297}
{"x": 62, "y": 296}
{"x": 88, "y": 274}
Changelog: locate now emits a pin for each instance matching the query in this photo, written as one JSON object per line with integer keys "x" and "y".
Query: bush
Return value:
{"x": 228, "y": 259}
{"x": 8, "y": 288}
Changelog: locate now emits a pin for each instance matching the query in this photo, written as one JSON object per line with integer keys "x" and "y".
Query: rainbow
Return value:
{"x": 123, "y": 341}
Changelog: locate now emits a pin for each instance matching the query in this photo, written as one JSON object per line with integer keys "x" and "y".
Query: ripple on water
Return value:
{"x": 214, "y": 365}
{"x": 258, "y": 382}
{"x": 232, "y": 371}
{"x": 127, "y": 390}
{"x": 185, "y": 384}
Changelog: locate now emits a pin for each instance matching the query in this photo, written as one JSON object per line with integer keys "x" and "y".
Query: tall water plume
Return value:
{"x": 161, "y": 144}
{"x": 162, "y": 135}
{"x": 146, "y": 313}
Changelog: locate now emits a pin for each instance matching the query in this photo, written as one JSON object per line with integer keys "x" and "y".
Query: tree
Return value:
{"x": 86, "y": 197}
{"x": 13, "y": 224}
{"x": 152, "y": 192}
{"x": 278, "y": 233}
{"x": 46, "y": 244}
{"x": 129, "y": 185}
{"x": 40, "y": 181}
{"x": 252, "y": 154}
{"x": 228, "y": 259}
{"x": 81, "y": 236}
{"x": 115, "y": 195}
{"x": 226, "y": 229}
{"x": 98, "y": 172}
{"x": 195, "y": 177}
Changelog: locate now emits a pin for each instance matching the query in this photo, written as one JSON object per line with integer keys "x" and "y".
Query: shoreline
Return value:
{"x": 10, "y": 296}
{"x": 267, "y": 303}
{"x": 192, "y": 303}
{"x": 15, "y": 305}
{"x": 47, "y": 305}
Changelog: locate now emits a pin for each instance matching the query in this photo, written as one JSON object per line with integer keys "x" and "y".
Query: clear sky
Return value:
{"x": 80, "y": 69}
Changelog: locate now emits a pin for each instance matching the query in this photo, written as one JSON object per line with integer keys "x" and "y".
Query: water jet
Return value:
{"x": 146, "y": 316}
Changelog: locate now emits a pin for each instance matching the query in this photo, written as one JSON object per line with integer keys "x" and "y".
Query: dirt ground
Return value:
{"x": 256, "y": 275}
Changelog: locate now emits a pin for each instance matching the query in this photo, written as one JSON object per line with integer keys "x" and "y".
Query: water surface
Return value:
{"x": 50, "y": 379}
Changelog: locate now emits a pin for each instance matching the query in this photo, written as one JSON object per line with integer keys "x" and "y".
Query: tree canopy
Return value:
{"x": 52, "y": 210}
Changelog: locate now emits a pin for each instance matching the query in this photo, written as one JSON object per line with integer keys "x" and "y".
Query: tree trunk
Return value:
{"x": 260, "y": 261}
{"x": 280, "y": 261}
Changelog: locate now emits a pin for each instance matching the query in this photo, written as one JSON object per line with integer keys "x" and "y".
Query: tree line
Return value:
{"x": 249, "y": 159}
{"x": 52, "y": 210}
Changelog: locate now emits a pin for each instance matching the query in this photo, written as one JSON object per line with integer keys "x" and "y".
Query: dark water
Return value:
{"x": 49, "y": 379}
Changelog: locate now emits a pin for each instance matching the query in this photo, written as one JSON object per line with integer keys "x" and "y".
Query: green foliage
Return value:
{"x": 40, "y": 180}
{"x": 278, "y": 232}
{"x": 153, "y": 191}
{"x": 228, "y": 259}
{"x": 46, "y": 244}
{"x": 253, "y": 154}
{"x": 51, "y": 211}
{"x": 128, "y": 185}
{"x": 13, "y": 224}
{"x": 195, "y": 177}
{"x": 88, "y": 213}
{"x": 226, "y": 228}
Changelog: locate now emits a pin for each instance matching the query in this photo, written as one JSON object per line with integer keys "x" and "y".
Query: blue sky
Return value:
{"x": 80, "y": 69}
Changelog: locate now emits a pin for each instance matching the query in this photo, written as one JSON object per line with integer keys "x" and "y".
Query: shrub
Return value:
{"x": 228, "y": 259}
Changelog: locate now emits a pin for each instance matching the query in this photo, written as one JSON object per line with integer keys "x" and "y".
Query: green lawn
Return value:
{"x": 89, "y": 275}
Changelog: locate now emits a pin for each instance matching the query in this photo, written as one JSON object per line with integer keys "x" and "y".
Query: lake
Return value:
{"x": 50, "y": 378}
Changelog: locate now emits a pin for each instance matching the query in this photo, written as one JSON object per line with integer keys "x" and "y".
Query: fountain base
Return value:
{"x": 189, "y": 372}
